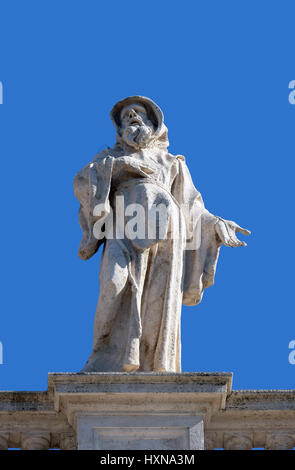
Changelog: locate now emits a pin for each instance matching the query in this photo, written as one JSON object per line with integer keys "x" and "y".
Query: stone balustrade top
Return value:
{"x": 249, "y": 419}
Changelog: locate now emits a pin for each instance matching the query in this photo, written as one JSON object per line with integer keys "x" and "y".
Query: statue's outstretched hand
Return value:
{"x": 226, "y": 233}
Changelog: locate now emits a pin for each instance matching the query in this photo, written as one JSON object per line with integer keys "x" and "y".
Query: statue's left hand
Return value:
{"x": 226, "y": 233}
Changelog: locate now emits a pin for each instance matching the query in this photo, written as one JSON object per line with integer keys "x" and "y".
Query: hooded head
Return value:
{"x": 139, "y": 123}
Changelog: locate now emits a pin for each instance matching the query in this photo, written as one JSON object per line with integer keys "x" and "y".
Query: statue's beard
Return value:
{"x": 139, "y": 136}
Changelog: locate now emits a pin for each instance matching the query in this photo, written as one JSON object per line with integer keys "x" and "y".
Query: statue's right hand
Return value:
{"x": 226, "y": 233}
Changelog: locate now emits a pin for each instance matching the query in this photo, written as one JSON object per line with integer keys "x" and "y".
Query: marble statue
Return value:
{"x": 150, "y": 266}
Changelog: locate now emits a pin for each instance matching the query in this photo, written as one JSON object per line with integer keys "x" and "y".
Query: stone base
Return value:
{"x": 140, "y": 432}
{"x": 149, "y": 411}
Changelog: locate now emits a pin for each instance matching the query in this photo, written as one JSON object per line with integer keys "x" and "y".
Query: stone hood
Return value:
{"x": 155, "y": 115}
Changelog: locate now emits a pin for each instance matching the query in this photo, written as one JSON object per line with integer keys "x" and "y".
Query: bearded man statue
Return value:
{"x": 150, "y": 265}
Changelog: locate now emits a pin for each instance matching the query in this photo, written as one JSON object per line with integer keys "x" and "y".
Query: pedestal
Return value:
{"x": 150, "y": 411}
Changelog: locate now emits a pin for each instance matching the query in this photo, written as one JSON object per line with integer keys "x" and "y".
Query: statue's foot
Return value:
{"x": 102, "y": 361}
{"x": 130, "y": 367}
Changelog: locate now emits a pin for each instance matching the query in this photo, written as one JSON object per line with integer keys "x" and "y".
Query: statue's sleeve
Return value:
{"x": 91, "y": 188}
{"x": 202, "y": 246}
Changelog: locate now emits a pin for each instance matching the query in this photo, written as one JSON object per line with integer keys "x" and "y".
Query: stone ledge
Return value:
{"x": 142, "y": 377}
{"x": 139, "y": 394}
{"x": 261, "y": 400}
{"x": 232, "y": 419}
{"x": 25, "y": 401}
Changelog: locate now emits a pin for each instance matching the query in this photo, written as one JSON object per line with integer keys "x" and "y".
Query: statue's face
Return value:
{"x": 136, "y": 129}
{"x": 133, "y": 115}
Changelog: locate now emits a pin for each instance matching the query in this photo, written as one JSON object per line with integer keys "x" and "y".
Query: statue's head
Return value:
{"x": 139, "y": 123}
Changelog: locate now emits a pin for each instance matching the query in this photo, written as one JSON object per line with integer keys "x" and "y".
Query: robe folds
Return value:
{"x": 144, "y": 281}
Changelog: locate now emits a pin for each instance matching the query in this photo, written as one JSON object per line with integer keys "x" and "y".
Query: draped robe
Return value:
{"x": 143, "y": 282}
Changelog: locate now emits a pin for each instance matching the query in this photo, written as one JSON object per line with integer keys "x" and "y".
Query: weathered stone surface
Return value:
{"x": 237, "y": 441}
{"x": 4, "y": 440}
{"x": 256, "y": 416}
{"x": 129, "y": 432}
{"x": 280, "y": 441}
{"x": 140, "y": 410}
{"x": 231, "y": 419}
{"x": 27, "y": 418}
{"x": 35, "y": 441}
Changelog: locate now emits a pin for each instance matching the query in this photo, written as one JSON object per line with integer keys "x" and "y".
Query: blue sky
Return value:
{"x": 220, "y": 72}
